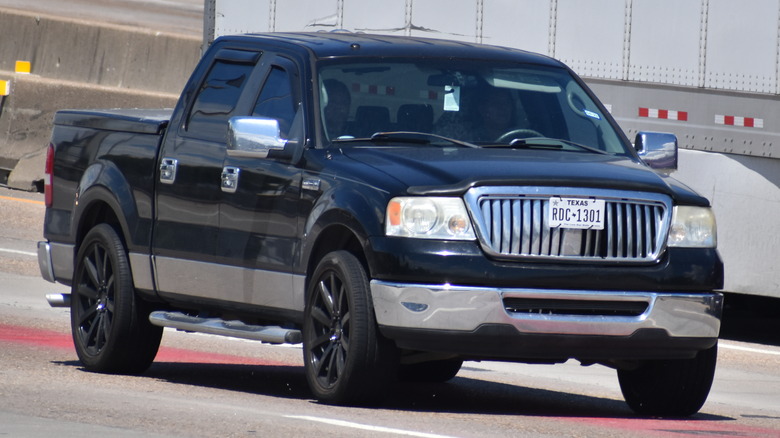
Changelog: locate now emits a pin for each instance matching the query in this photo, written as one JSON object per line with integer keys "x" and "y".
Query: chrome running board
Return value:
{"x": 235, "y": 329}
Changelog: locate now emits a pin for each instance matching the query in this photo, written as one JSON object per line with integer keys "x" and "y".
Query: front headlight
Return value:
{"x": 693, "y": 227}
{"x": 428, "y": 218}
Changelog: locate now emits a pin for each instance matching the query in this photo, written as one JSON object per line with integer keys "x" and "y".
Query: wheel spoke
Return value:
{"x": 333, "y": 359}
{"x": 90, "y": 335}
{"x": 92, "y": 271}
{"x": 110, "y": 306}
{"x": 320, "y": 316}
{"x": 105, "y": 264}
{"x": 341, "y": 300}
{"x": 88, "y": 313}
{"x": 105, "y": 329}
{"x": 110, "y": 283}
{"x": 346, "y": 317}
{"x": 341, "y": 358}
{"x": 326, "y": 295}
{"x": 324, "y": 360}
{"x": 320, "y": 341}
{"x": 88, "y": 292}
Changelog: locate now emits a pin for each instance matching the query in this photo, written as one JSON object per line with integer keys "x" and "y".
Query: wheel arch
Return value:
{"x": 346, "y": 221}
{"x": 104, "y": 196}
{"x": 334, "y": 237}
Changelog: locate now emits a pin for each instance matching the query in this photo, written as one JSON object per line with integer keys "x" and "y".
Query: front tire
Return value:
{"x": 670, "y": 388}
{"x": 110, "y": 325}
{"x": 346, "y": 360}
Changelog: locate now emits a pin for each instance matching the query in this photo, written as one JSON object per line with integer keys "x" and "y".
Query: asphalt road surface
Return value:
{"x": 205, "y": 386}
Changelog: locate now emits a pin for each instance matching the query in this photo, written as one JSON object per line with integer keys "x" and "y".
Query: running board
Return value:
{"x": 216, "y": 326}
{"x": 58, "y": 300}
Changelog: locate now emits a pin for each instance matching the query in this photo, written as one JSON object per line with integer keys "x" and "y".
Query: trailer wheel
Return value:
{"x": 346, "y": 359}
{"x": 110, "y": 325}
{"x": 670, "y": 388}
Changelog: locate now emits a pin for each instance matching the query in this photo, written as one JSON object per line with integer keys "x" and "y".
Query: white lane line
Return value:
{"x": 13, "y": 251}
{"x": 366, "y": 426}
{"x": 721, "y": 344}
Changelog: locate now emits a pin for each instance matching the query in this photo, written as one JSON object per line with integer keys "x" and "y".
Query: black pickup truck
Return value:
{"x": 397, "y": 205}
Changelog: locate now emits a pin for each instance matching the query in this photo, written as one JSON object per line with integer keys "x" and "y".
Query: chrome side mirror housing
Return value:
{"x": 255, "y": 136}
{"x": 657, "y": 149}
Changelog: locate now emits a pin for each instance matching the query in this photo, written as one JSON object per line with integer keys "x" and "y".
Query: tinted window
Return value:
{"x": 217, "y": 98}
{"x": 276, "y": 100}
{"x": 487, "y": 103}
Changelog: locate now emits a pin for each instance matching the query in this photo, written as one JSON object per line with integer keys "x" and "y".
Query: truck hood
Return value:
{"x": 432, "y": 170}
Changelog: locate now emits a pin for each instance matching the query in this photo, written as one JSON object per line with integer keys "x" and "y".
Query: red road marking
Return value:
{"x": 20, "y": 335}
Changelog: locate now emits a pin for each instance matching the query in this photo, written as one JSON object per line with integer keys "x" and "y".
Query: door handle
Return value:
{"x": 230, "y": 179}
{"x": 168, "y": 170}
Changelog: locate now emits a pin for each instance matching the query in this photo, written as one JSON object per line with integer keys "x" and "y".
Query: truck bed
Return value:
{"x": 141, "y": 121}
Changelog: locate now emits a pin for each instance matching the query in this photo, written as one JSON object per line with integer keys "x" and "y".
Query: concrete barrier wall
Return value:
{"x": 110, "y": 55}
{"x": 26, "y": 118}
{"x": 77, "y": 64}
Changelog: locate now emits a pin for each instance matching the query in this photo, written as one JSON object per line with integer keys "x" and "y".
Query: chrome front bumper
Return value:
{"x": 458, "y": 308}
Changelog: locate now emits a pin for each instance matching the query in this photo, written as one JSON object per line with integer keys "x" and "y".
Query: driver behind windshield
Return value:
{"x": 486, "y": 113}
{"x": 496, "y": 115}
{"x": 336, "y": 111}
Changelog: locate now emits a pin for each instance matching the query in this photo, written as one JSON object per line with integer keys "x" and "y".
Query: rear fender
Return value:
{"x": 104, "y": 195}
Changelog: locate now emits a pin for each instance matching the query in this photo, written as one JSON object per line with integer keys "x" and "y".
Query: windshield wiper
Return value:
{"x": 406, "y": 137}
{"x": 547, "y": 142}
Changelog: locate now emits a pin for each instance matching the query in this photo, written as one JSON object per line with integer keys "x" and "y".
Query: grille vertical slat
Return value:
{"x": 518, "y": 226}
{"x": 619, "y": 235}
{"x": 629, "y": 231}
{"x": 526, "y": 243}
{"x": 536, "y": 224}
{"x": 556, "y": 244}
{"x": 610, "y": 226}
{"x": 545, "y": 240}
{"x": 506, "y": 226}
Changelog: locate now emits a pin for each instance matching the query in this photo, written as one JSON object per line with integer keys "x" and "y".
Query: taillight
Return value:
{"x": 47, "y": 176}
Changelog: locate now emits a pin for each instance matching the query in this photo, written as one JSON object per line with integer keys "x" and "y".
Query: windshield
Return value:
{"x": 474, "y": 102}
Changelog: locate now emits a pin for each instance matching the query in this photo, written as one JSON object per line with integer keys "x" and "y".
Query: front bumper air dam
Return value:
{"x": 441, "y": 317}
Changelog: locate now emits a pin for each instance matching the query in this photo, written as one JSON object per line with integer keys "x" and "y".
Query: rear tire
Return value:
{"x": 110, "y": 324}
{"x": 346, "y": 360}
{"x": 670, "y": 388}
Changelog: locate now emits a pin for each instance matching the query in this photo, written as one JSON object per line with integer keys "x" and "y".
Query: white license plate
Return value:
{"x": 579, "y": 213}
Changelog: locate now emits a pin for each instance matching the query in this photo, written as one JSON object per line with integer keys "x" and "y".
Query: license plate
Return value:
{"x": 579, "y": 213}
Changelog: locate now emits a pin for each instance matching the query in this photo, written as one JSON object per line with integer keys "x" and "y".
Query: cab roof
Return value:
{"x": 348, "y": 44}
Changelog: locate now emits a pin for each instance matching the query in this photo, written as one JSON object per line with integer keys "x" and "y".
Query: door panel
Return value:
{"x": 188, "y": 189}
{"x": 259, "y": 215}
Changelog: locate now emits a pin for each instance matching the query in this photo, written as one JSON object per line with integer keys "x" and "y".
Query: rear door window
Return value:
{"x": 219, "y": 94}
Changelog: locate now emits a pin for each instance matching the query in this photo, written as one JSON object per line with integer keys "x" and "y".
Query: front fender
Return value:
{"x": 340, "y": 217}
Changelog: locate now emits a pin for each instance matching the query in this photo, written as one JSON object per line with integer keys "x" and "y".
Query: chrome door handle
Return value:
{"x": 230, "y": 179}
{"x": 168, "y": 170}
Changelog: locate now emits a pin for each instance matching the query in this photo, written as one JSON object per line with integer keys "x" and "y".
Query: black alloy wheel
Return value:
{"x": 346, "y": 359}
{"x": 110, "y": 325}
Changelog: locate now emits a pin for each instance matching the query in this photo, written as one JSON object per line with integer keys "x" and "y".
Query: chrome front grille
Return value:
{"x": 513, "y": 222}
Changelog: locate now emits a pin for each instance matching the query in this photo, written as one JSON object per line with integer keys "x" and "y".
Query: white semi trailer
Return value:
{"x": 705, "y": 70}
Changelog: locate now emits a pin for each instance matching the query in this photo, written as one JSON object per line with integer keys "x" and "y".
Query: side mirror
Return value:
{"x": 657, "y": 149}
{"x": 255, "y": 136}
